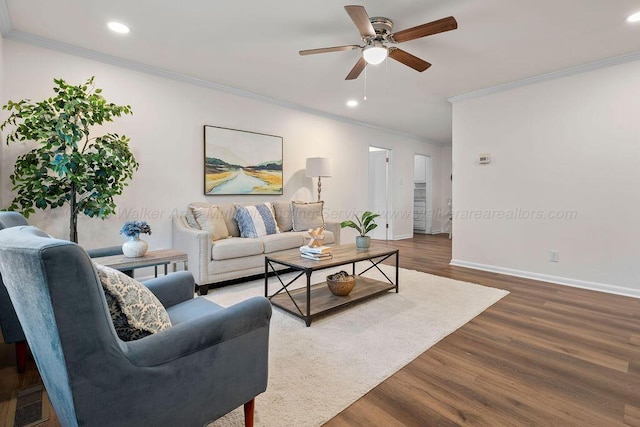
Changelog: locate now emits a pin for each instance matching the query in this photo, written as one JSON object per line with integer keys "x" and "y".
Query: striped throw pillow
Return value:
{"x": 256, "y": 220}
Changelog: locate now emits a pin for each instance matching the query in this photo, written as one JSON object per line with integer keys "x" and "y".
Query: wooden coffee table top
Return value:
{"x": 342, "y": 254}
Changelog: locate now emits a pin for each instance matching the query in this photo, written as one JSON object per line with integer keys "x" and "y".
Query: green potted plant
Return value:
{"x": 67, "y": 166}
{"x": 365, "y": 223}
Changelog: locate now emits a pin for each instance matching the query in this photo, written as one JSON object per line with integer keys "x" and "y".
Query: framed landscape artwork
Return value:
{"x": 241, "y": 162}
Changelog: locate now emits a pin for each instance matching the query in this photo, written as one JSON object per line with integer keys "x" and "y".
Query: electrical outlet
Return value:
{"x": 554, "y": 256}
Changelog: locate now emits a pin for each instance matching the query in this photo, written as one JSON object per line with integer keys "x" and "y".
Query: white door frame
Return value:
{"x": 385, "y": 225}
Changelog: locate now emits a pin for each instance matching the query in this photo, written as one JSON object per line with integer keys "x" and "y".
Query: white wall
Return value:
{"x": 441, "y": 214}
{"x": 571, "y": 144}
{"x": 166, "y": 138}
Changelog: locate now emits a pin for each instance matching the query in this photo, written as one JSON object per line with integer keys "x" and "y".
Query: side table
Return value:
{"x": 150, "y": 259}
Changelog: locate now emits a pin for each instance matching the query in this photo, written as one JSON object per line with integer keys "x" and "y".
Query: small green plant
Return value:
{"x": 68, "y": 166}
{"x": 366, "y": 223}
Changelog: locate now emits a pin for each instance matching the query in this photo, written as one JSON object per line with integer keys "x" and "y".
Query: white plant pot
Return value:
{"x": 134, "y": 247}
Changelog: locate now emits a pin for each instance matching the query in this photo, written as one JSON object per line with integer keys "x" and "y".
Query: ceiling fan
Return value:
{"x": 376, "y": 34}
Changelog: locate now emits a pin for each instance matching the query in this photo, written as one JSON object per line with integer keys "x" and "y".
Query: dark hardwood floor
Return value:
{"x": 545, "y": 355}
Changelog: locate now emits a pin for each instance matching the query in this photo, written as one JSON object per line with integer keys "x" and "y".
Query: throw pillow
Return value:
{"x": 135, "y": 311}
{"x": 306, "y": 215}
{"x": 283, "y": 215}
{"x": 256, "y": 220}
{"x": 210, "y": 220}
{"x": 229, "y": 212}
{"x": 190, "y": 218}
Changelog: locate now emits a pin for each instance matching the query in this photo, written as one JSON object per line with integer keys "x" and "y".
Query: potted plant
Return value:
{"x": 134, "y": 247}
{"x": 366, "y": 223}
{"x": 67, "y": 166}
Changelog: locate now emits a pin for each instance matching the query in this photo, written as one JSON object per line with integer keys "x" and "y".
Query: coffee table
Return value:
{"x": 313, "y": 300}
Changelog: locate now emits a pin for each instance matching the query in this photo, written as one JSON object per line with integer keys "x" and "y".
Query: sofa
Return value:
{"x": 221, "y": 247}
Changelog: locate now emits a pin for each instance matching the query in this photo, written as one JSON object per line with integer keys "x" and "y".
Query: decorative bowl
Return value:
{"x": 341, "y": 288}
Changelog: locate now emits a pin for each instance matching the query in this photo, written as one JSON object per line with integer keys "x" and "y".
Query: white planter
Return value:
{"x": 134, "y": 247}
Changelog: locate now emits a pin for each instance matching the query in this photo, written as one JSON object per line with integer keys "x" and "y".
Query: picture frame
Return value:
{"x": 239, "y": 162}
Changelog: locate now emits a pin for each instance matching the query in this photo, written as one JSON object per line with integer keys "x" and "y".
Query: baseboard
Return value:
{"x": 575, "y": 283}
{"x": 403, "y": 236}
{"x": 432, "y": 232}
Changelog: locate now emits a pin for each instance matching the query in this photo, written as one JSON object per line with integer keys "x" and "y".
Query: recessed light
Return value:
{"x": 352, "y": 103}
{"x": 117, "y": 27}
{"x": 634, "y": 18}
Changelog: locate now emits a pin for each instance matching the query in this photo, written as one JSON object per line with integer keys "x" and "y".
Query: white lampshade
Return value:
{"x": 318, "y": 166}
{"x": 374, "y": 54}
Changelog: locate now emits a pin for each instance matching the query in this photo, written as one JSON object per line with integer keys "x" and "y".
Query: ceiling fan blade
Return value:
{"x": 409, "y": 60}
{"x": 360, "y": 17}
{"x": 357, "y": 69}
{"x": 329, "y": 49}
{"x": 435, "y": 27}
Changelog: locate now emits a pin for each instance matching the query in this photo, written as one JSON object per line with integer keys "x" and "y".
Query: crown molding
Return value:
{"x": 5, "y": 19}
{"x": 609, "y": 62}
{"x": 183, "y": 78}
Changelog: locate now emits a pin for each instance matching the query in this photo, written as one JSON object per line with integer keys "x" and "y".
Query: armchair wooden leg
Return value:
{"x": 203, "y": 289}
{"x": 248, "y": 413}
{"x": 21, "y": 355}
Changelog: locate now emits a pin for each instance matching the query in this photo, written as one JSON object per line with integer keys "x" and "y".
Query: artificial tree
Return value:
{"x": 68, "y": 166}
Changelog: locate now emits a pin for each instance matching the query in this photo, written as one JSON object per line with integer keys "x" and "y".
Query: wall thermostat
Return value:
{"x": 484, "y": 159}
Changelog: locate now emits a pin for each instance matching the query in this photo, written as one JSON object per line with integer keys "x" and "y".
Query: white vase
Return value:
{"x": 134, "y": 247}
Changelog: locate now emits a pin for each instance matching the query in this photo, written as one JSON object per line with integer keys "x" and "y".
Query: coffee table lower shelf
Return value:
{"x": 324, "y": 301}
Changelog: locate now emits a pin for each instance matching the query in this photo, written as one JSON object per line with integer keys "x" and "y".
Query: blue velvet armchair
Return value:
{"x": 11, "y": 330}
{"x": 9, "y": 324}
{"x": 209, "y": 362}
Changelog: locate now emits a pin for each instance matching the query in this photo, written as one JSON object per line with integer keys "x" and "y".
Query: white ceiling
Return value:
{"x": 253, "y": 46}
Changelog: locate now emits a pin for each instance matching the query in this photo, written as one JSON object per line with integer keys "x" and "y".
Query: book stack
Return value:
{"x": 317, "y": 253}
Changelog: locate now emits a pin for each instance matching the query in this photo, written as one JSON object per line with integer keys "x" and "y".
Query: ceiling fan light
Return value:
{"x": 374, "y": 54}
{"x": 634, "y": 18}
{"x": 118, "y": 27}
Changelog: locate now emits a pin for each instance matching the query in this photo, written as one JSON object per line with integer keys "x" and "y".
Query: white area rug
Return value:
{"x": 315, "y": 372}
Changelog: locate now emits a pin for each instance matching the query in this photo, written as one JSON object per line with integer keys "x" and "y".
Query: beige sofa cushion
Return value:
{"x": 235, "y": 247}
{"x": 282, "y": 241}
{"x": 283, "y": 215}
{"x": 306, "y": 215}
{"x": 228, "y": 213}
{"x": 210, "y": 220}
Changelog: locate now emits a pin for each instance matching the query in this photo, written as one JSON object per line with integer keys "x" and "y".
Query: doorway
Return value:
{"x": 422, "y": 186}
{"x": 378, "y": 200}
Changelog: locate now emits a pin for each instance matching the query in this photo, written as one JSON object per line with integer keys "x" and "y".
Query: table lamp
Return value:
{"x": 318, "y": 167}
